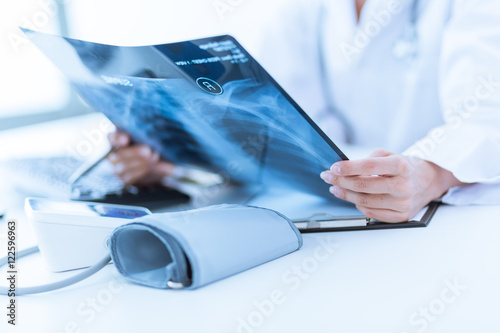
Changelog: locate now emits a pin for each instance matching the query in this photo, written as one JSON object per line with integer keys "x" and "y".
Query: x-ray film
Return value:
{"x": 203, "y": 103}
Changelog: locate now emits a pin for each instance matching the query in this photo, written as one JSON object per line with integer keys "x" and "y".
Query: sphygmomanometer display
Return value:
{"x": 87, "y": 209}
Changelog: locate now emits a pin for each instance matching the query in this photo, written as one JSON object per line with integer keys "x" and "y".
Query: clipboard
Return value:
{"x": 326, "y": 223}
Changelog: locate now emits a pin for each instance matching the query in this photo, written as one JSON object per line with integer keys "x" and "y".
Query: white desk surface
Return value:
{"x": 443, "y": 278}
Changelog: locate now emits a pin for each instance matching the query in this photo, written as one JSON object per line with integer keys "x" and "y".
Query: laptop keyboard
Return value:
{"x": 55, "y": 172}
{"x": 50, "y": 177}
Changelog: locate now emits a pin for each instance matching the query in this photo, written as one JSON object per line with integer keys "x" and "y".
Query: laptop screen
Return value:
{"x": 204, "y": 103}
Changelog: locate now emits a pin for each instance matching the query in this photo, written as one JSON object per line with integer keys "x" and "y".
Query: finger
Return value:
{"x": 133, "y": 172}
{"x": 165, "y": 168}
{"x": 363, "y": 184}
{"x": 388, "y": 166}
{"x": 132, "y": 153}
{"x": 377, "y": 201}
{"x": 142, "y": 169}
{"x": 118, "y": 139}
{"x": 380, "y": 152}
{"x": 133, "y": 177}
{"x": 146, "y": 176}
{"x": 121, "y": 169}
{"x": 384, "y": 215}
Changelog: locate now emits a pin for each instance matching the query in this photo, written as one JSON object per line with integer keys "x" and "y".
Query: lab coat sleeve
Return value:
{"x": 468, "y": 144}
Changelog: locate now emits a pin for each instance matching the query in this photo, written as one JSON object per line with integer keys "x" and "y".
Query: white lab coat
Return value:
{"x": 443, "y": 106}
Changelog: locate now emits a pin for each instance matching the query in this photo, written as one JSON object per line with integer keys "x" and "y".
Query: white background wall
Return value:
{"x": 30, "y": 83}
{"x": 134, "y": 22}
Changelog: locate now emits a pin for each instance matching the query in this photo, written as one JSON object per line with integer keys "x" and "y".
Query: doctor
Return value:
{"x": 420, "y": 78}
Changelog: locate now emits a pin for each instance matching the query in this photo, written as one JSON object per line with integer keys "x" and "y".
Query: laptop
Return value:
{"x": 50, "y": 177}
{"x": 208, "y": 104}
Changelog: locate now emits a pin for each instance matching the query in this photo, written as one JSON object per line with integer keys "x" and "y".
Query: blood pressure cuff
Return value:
{"x": 193, "y": 248}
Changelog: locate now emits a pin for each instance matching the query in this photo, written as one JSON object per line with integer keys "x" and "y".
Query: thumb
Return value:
{"x": 119, "y": 139}
{"x": 379, "y": 152}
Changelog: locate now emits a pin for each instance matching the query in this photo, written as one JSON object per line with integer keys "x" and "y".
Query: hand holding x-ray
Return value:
{"x": 389, "y": 187}
{"x": 137, "y": 164}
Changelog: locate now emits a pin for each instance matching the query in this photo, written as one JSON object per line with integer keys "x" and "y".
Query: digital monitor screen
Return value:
{"x": 86, "y": 209}
{"x": 203, "y": 103}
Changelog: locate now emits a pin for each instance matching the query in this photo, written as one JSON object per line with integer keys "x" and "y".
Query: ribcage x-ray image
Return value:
{"x": 204, "y": 103}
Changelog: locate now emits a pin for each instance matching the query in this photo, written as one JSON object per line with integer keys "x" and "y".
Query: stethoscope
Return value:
{"x": 404, "y": 49}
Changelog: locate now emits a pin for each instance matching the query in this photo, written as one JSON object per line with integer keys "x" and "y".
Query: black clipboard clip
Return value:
{"x": 322, "y": 222}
